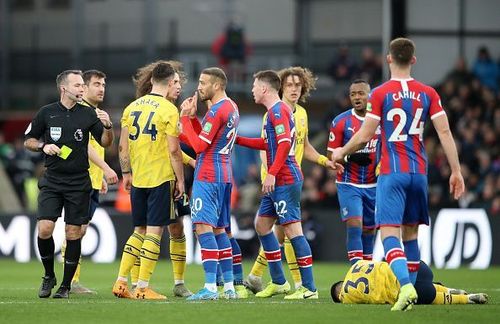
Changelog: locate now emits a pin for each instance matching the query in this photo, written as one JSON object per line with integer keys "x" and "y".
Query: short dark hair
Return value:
{"x": 402, "y": 51}
{"x": 142, "y": 78}
{"x": 270, "y": 77}
{"x": 162, "y": 72}
{"x": 360, "y": 81}
{"x": 87, "y": 75}
{"x": 63, "y": 76}
{"x": 217, "y": 73}
{"x": 335, "y": 291}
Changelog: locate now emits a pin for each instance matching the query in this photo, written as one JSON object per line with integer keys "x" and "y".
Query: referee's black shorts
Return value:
{"x": 71, "y": 193}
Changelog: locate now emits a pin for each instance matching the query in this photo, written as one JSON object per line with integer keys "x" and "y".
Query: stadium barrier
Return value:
{"x": 456, "y": 238}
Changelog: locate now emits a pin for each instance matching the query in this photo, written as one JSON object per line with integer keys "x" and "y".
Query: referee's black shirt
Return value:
{"x": 60, "y": 126}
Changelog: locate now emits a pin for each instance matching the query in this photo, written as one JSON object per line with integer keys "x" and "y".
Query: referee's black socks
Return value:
{"x": 46, "y": 250}
{"x": 71, "y": 258}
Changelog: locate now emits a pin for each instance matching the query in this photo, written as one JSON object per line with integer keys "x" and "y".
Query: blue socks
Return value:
{"x": 237, "y": 267}
{"x": 396, "y": 258}
{"x": 304, "y": 260}
{"x": 225, "y": 257}
{"x": 209, "y": 256}
{"x": 368, "y": 243}
{"x": 272, "y": 250}
{"x": 413, "y": 255}
{"x": 354, "y": 244}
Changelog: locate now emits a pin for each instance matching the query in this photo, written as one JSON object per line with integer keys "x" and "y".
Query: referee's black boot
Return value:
{"x": 62, "y": 292}
{"x": 46, "y": 288}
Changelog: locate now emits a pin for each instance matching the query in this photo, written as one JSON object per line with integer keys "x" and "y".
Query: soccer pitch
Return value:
{"x": 19, "y": 302}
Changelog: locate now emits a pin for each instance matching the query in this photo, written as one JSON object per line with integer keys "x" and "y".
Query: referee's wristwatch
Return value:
{"x": 108, "y": 127}
{"x": 41, "y": 146}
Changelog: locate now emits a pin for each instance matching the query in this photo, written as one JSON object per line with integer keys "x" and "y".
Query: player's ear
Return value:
{"x": 413, "y": 60}
{"x": 388, "y": 59}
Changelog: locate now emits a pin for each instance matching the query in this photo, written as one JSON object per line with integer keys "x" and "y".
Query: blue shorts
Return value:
{"x": 94, "y": 202}
{"x": 211, "y": 203}
{"x": 357, "y": 203}
{"x": 153, "y": 206}
{"x": 401, "y": 199}
{"x": 283, "y": 203}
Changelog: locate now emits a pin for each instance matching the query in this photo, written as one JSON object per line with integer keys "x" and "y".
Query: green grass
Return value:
{"x": 19, "y": 302}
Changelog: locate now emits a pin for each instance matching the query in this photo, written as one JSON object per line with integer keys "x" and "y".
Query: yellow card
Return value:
{"x": 65, "y": 152}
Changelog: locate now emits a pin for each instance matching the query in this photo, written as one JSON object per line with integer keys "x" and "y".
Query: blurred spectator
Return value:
{"x": 460, "y": 74}
{"x": 342, "y": 68}
{"x": 486, "y": 70}
{"x": 371, "y": 66}
{"x": 232, "y": 49}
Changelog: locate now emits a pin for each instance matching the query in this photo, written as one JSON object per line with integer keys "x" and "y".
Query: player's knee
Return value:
{"x": 176, "y": 230}
{"x": 73, "y": 232}
{"x": 45, "y": 229}
{"x": 293, "y": 230}
{"x": 140, "y": 230}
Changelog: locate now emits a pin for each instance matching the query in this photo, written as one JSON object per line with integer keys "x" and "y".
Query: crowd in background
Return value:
{"x": 470, "y": 97}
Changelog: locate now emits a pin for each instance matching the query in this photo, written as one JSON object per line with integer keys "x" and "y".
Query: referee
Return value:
{"x": 63, "y": 128}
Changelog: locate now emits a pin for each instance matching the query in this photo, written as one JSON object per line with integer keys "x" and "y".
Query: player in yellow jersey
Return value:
{"x": 371, "y": 282}
{"x": 100, "y": 173}
{"x": 151, "y": 162}
{"x": 143, "y": 85}
{"x": 296, "y": 84}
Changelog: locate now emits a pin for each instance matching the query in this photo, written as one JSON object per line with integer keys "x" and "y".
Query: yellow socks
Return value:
{"x": 131, "y": 252}
{"x": 134, "y": 272}
{"x": 149, "y": 256}
{"x": 260, "y": 264}
{"x": 443, "y": 297}
{"x": 178, "y": 258}
{"x": 292, "y": 262}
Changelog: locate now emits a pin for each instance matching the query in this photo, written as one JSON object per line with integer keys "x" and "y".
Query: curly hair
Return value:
{"x": 306, "y": 77}
{"x": 142, "y": 78}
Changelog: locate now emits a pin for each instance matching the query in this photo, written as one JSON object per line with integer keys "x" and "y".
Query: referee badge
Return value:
{"x": 55, "y": 133}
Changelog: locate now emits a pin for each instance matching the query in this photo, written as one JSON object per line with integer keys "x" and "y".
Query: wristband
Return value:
{"x": 108, "y": 127}
{"x": 125, "y": 172}
{"x": 322, "y": 160}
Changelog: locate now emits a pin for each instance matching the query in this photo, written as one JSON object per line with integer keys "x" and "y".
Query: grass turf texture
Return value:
{"x": 19, "y": 302}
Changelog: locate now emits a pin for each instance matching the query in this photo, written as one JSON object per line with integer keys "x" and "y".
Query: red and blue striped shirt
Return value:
{"x": 279, "y": 126}
{"x": 403, "y": 107}
{"x": 218, "y": 129}
{"x": 343, "y": 127}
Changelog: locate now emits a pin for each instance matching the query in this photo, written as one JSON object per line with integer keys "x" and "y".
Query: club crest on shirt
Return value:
{"x": 280, "y": 129}
{"x": 331, "y": 137}
{"x": 55, "y": 133}
{"x": 78, "y": 135}
{"x": 207, "y": 127}
{"x": 369, "y": 107}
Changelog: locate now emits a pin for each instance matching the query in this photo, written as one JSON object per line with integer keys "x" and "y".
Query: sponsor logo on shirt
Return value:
{"x": 369, "y": 107}
{"x": 280, "y": 129}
